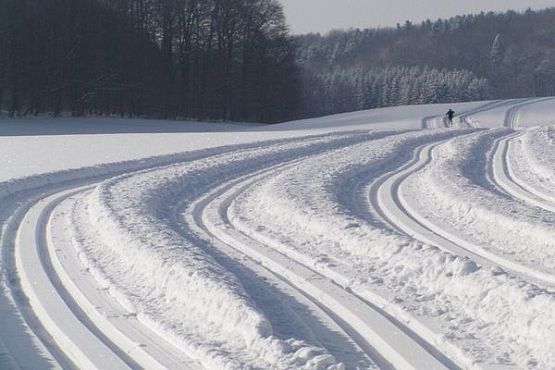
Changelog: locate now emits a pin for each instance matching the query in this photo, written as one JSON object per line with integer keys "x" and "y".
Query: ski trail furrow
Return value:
{"x": 193, "y": 223}
{"x": 28, "y": 345}
{"x": 87, "y": 325}
{"x": 188, "y": 179}
{"x": 376, "y": 331}
{"x": 83, "y": 348}
{"x": 25, "y": 328}
{"x": 386, "y": 197}
{"x": 422, "y": 331}
{"x": 503, "y": 176}
{"x": 511, "y": 116}
{"x": 466, "y": 117}
{"x": 121, "y": 326}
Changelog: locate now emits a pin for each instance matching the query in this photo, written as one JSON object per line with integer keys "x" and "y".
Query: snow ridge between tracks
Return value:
{"x": 305, "y": 211}
{"x": 182, "y": 289}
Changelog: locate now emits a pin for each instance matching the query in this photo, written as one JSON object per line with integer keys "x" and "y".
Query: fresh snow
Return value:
{"x": 372, "y": 239}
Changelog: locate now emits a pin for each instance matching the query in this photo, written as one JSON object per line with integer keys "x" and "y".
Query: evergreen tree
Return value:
{"x": 469, "y": 57}
{"x": 497, "y": 53}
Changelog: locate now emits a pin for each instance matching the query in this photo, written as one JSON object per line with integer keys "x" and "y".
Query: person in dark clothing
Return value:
{"x": 450, "y": 114}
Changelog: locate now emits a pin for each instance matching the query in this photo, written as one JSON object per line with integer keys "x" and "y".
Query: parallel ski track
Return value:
{"x": 465, "y": 117}
{"x": 51, "y": 356}
{"x": 502, "y": 175}
{"x": 386, "y": 197}
{"x": 188, "y": 219}
{"x": 65, "y": 318}
{"x": 511, "y": 116}
{"x": 49, "y": 299}
{"x": 196, "y": 228}
{"x": 83, "y": 330}
{"x": 91, "y": 329}
{"x": 374, "y": 330}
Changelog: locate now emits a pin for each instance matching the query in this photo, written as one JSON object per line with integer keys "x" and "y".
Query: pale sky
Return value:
{"x": 323, "y": 15}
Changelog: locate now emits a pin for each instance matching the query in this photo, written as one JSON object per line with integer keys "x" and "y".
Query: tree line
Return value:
{"x": 472, "y": 57}
{"x": 201, "y": 59}
{"x": 358, "y": 88}
{"x": 234, "y": 60}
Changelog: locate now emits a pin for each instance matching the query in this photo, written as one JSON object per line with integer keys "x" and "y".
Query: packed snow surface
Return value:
{"x": 378, "y": 239}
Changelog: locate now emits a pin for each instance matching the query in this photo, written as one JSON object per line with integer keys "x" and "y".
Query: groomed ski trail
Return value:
{"x": 505, "y": 178}
{"x": 375, "y": 331}
{"x": 86, "y": 323}
{"x": 386, "y": 197}
{"x": 253, "y": 289}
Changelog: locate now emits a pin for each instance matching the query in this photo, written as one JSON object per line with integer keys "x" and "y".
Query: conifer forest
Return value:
{"x": 235, "y": 60}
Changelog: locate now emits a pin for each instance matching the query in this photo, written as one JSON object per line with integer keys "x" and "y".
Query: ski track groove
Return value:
{"x": 103, "y": 354}
{"x": 393, "y": 356}
{"x": 60, "y": 304}
{"x": 22, "y": 291}
{"x": 121, "y": 326}
{"x": 47, "y": 299}
{"x": 466, "y": 116}
{"x": 407, "y": 220}
{"x": 386, "y": 197}
{"x": 505, "y": 178}
{"x": 415, "y": 327}
{"x": 113, "y": 348}
{"x": 193, "y": 223}
{"x": 263, "y": 160}
{"x": 512, "y": 114}
{"x": 210, "y": 214}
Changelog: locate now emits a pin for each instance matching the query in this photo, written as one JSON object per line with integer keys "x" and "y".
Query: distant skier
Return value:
{"x": 450, "y": 114}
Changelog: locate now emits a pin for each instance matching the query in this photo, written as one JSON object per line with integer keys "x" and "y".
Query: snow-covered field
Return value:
{"x": 375, "y": 239}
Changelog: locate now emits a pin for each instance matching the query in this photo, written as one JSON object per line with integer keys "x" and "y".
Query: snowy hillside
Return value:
{"x": 373, "y": 239}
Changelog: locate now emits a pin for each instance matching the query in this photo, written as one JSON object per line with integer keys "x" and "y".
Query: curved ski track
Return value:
{"x": 386, "y": 197}
{"x": 506, "y": 179}
{"x": 83, "y": 325}
{"x": 371, "y": 328}
{"x": 464, "y": 118}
